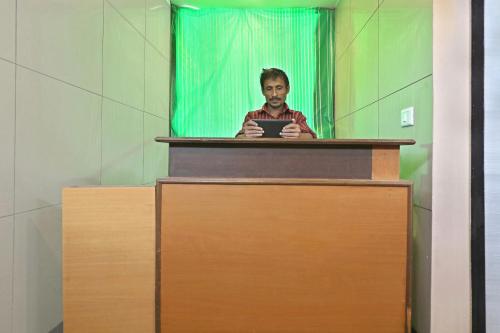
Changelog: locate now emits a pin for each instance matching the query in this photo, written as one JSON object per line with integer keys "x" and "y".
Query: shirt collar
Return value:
{"x": 285, "y": 108}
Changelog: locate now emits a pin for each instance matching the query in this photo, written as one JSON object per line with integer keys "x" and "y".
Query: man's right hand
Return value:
{"x": 252, "y": 130}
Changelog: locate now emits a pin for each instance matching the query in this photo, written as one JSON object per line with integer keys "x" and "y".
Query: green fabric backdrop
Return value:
{"x": 219, "y": 54}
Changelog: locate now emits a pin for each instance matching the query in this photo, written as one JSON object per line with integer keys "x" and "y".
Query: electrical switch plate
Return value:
{"x": 407, "y": 118}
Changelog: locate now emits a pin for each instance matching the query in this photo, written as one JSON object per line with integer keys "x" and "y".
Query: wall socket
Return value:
{"x": 407, "y": 117}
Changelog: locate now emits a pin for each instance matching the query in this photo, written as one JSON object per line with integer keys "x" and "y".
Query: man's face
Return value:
{"x": 275, "y": 91}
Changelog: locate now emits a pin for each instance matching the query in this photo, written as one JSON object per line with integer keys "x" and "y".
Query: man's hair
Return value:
{"x": 272, "y": 73}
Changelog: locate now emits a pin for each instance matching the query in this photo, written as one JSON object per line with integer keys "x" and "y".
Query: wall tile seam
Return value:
{"x": 349, "y": 44}
{"x": 155, "y": 115}
{"x": 426, "y": 76}
{"x": 153, "y": 46}
{"x": 58, "y": 80}
{"x": 422, "y": 207}
{"x": 76, "y": 85}
{"x": 122, "y": 103}
{"x": 358, "y": 110}
{"x": 143, "y": 39}
{"x": 7, "y": 60}
{"x": 146, "y": 29}
{"x": 21, "y": 212}
{"x": 381, "y": 99}
{"x": 126, "y": 20}
{"x": 7, "y": 215}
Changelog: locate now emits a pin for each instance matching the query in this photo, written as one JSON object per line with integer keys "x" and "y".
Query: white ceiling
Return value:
{"x": 256, "y": 3}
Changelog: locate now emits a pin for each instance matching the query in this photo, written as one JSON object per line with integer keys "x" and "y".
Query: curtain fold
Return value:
{"x": 220, "y": 53}
{"x": 324, "y": 92}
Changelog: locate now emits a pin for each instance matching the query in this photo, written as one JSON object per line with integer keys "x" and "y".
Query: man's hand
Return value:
{"x": 252, "y": 130}
{"x": 291, "y": 130}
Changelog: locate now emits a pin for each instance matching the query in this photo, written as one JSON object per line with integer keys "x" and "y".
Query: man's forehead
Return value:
{"x": 278, "y": 81}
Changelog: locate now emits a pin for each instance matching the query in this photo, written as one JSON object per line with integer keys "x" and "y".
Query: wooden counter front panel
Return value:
{"x": 109, "y": 259}
{"x": 283, "y": 258}
{"x": 343, "y": 162}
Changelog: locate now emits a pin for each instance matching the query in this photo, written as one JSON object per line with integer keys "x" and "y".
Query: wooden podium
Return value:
{"x": 264, "y": 235}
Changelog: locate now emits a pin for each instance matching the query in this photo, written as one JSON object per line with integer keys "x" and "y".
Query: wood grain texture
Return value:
{"x": 284, "y": 258}
{"x": 109, "y": 259}
{"x": 342, "y": 162}
{"x": 385, "y": 163}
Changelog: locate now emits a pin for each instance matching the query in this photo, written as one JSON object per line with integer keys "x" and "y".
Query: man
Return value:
{"x": 275, "y": 87}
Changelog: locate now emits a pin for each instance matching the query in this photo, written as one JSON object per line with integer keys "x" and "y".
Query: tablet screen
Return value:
{"x": 272, "y": 127}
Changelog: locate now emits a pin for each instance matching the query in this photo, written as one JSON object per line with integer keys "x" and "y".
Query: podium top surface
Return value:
{"x": 285, "y": 142}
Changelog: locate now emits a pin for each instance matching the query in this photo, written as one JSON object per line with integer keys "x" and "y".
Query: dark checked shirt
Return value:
{"x": 287, "y": 114}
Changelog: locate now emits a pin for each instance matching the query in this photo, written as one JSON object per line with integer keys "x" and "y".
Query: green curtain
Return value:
{"x": 220, "y": 53}
{"x": 325, "y": 72}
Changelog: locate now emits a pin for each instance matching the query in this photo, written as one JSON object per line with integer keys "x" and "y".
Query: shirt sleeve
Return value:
{"x": 301, "y": 120}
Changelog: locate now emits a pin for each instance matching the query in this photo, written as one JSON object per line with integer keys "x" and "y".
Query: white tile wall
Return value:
{"x": 157, "y": 83}
{"x": 37, "y": 271}
{"x": 361, "y": 11}
{"x": 405, "y": 43}
{"x": 62, "y": 39}
{"x": 54, "y": 132}
{"x": 157, "y": 22}
{"x": 154, "y": 167}
{"x": 6, "y": 259}
{"x": 122, "y": 144}
{"x": 123, "y": 76}
{"x": 343, "y": 91}
{"x": 364, "y": 69}
{"x": 133, "y": 11}
{"x": 7, "y": 98}
{"x": 57, "y": 139}
{"x": 359, "y": 125}
{"x": 7, "y": 29}
{"x": 416, "y": 160}
{"x": 422, "y": 253}
{"x": 343, "y": 27}
{"x": 384, "y": 57}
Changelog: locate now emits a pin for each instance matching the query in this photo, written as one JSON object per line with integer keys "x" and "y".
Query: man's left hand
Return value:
{"x": 291, "y": 130}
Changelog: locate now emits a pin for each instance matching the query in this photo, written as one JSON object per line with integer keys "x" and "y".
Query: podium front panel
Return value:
{"x": 292, "y": 257}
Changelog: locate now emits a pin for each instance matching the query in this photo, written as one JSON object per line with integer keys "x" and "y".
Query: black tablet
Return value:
{"x": 272, "y": 127}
